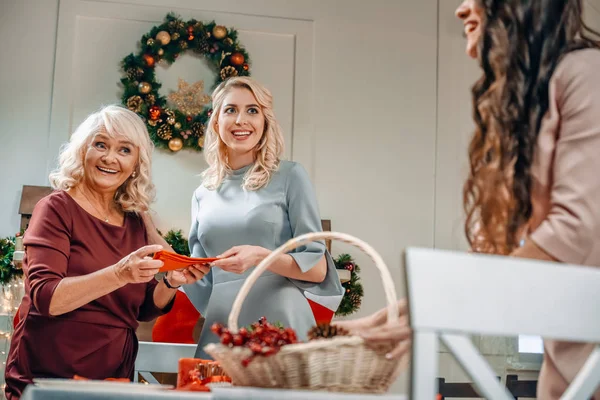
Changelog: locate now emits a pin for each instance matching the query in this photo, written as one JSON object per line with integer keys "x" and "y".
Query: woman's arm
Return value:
{"x": 240, "y": 258}
{"x": 304, "y": 217}
{"x": 569, "y": 231}
{"x": 286, "y": 265}
{"x": 74, "y": 292}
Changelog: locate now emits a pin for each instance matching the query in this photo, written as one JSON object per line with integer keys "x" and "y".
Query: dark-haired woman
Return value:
{"x": 533, "y": 189}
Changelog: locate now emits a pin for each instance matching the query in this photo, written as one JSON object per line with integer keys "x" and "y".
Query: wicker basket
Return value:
{"x": 341, "y": 364}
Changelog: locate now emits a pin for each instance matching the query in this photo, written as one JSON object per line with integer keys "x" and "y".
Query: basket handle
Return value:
{"x": 388, "y": 283}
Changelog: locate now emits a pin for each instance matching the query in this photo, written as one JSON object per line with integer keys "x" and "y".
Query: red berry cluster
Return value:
{"x": 263, "y": 338}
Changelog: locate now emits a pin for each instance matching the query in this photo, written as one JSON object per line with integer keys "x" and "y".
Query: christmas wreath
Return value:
{"x": 353, "y": 288}
{"x": 181, "y": 121}
{"x": 8, "y": 272}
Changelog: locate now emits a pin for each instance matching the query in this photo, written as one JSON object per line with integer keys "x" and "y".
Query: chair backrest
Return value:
{"x": 161, "y": 357}
{"x": 452, "y": 295}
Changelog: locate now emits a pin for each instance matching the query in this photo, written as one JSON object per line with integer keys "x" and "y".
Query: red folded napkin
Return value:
{"x": 174, "y": 261}
{"x": 81, "y": 378}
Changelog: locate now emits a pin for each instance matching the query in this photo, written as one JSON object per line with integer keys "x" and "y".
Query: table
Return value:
{"x": 63, "y": 393}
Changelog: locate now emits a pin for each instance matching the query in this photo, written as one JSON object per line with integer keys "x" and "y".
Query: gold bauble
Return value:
{"x": 144, "y": 87}
{"x": 163, "y": 37}
{"x": 201, "y": 141}
{"x": 160, "y": 52}
{"x": 175, "y": 144}
{"x": 150, "y": 42}
{"x": 177, "y": 125}
{"x": 219, "y": 32}
{"x": 175, "y": 36}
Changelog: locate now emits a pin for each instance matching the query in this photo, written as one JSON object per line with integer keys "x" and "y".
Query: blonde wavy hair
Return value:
{"x": 268, "y": 150}
{"x": 137, "y": 192}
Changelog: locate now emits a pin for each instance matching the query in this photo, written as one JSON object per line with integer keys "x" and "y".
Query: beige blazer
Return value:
{"x": 566, "y": 194}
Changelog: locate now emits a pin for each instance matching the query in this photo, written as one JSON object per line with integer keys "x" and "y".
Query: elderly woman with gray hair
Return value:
{"x": 88, "y": 274}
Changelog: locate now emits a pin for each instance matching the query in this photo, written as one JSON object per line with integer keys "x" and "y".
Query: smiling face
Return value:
{"x": 240, "y": 125}
{"x": 109, "y": 162}
{"x": 472, "y": 16}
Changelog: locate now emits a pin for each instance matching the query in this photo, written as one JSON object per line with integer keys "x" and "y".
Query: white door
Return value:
{"x": 94, "y": 36}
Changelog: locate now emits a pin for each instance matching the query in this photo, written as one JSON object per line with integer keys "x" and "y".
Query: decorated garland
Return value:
{"x": 8, "y": 272}
{"x": 182, "y": 122}
{"x": 354, "y": 291}
{"x": 177, "y": 241}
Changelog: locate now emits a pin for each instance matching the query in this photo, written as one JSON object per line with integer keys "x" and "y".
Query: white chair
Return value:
{"x": 160, "y": 357}
{"x": 452, "y": 295}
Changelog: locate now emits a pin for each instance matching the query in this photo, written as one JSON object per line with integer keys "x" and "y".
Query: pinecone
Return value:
{"x": 150, "y": 99}
{"x": 170, "y": 116}
{"x": 176, "y": 25}
{"x": 202, "y": 46}
{"x": 326, "y": 331}
{"x": 355, "y": 299}
{"x": 198, "y": 129}
{"x": 134, "y": 73}
{"x": 134, "y": 103}
{"x": 165, "y": 132}
{"x": 228, "y": 71}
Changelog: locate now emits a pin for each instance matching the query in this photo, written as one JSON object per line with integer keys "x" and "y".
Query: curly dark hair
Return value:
{"x": 521, "y": 44}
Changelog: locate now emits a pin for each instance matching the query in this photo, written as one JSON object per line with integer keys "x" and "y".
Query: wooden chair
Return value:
{"x": 451, "y": 390}
{"x": 520, "y": 389}
{"x": 452, "y": 295}
{"x": 30, "y": 195}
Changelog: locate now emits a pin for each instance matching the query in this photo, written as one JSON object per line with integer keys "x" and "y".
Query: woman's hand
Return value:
{"x": 138, "y": 267}
{"x": 239, "y": 259}
{"x": 188, "y": 275}
{"x": 395, "y": 337}
{"x": 392, "y": 335}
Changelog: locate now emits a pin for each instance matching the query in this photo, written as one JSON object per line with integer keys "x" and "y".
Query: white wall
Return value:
{"x": 388, "y": 128}
{"x": 26, "y": 70}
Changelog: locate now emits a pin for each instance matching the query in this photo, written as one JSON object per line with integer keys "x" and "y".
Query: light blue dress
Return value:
{"x": 268, "y": 217}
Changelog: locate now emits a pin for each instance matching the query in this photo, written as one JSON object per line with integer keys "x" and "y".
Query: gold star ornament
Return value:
{"x": 190, "y": 99}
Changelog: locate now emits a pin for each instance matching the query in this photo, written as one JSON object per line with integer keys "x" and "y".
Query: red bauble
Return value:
{"x": 188, "y": 119}
{"x": 149, "y": 60}
{"x": 246, "y": 67}
{"x": 154, "y": 113}
{"x": 237, "y": 59}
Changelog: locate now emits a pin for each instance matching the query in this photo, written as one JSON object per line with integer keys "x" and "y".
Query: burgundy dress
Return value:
{"x": 96, "y": 340}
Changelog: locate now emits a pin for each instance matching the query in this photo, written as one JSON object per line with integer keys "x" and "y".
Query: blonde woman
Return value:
{"x": 249, "y": 203}
{"x": 88, "y": 277}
